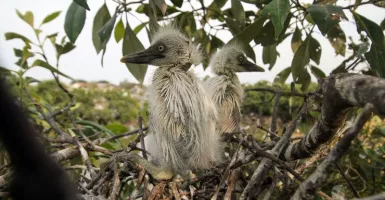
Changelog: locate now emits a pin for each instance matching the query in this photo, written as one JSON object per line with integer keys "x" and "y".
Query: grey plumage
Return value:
{"x": 225, "y": 88}
{"x": 182, "y": 116}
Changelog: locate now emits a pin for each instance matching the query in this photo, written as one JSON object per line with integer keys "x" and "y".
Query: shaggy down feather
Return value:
{"x": 225, "y": 89}
{"x": 182, "y": 118}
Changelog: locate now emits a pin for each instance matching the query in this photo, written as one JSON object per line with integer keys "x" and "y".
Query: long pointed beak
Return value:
{"x": 143, "y": 57}
{"x": 251, "y": 67}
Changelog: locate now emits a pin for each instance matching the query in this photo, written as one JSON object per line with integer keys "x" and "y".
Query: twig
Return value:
{"x": 48, "y": 119}
{"x": 282, "y": 93}
{"x": 348, "y": 181}
{"x": 116, "y": 184}
{"x": 273, "y": 127}
{"x": 123, "y": 135}
{"x": 140, "y": 124}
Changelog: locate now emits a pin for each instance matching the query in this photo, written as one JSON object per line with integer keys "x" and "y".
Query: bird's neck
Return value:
{"x": 227, "y": 73}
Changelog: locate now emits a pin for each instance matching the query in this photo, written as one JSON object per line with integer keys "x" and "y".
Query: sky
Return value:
{"x": 83, "y": 62}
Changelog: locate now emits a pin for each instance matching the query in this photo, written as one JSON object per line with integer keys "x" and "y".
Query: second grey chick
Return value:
{"x": 225, "y": 89}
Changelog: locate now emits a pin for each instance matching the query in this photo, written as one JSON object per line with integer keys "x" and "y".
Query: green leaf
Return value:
{"x": 52, "y": 37}
{"x": 238, "y": 11}
{"x": 326, "y": 16}
{"x": 214, "y": 9}
{"x": 247, "y": 34}
{"x": 187, "y": 22}
{"x": 44, "y": 64}
{"x": 315, "y": 50}
{"x": 383, "y": 24}
{"x": 249, "y": 51}
{"x": 376, "y": 55}
{"x": 304, "y": 80}
{"x": 4, "y": 71}
{"x": 11, "y": 36}
{"x": 138, "y": 28}
{"x": 266, "y": 36}
{"x": 233, "y": 25}
{"x": 95, "y": 126}
{"x": 340, "y": 69}
{"x": 51, "y": 17}
{"x": 74, "y": 21}
{"x": 101, "y": 18}
{"x": 131, "y": 44}
{"x": 269, "y": 55}
{"x": 318, "y": 73}
{"x": 300, "y": 60}
{"x": 296, "y": 40}
{"x": 29, "y": 80}
{"x": 337, "y": 39}
{"x": 27, "y": 17}
{"x": 177, "y": 3}
{"x": 117, "y": 128}
{"x": 105, "y": 32}
{"x": 68, "y": 47}
{"x": 119, "y": 30}
{"x": 277, "y": 11}
{"x": 282, "y": 76}
{"x": 82, "y": 3}
{"x": 22, "y": 64}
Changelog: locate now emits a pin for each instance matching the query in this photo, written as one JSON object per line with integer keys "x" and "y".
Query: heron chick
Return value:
{"x": 225, "y": 89}
{"x": 182, "y": 116}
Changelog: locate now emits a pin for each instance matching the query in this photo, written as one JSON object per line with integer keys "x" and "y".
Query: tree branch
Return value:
{"x": 308, "y": 188}
{"x": 340, "y": 91}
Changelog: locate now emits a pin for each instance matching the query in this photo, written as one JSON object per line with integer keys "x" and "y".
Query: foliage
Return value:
{"x": 103, "y": 113}
{"x": 261, "y": 103}
{"x": 248, "y": 27}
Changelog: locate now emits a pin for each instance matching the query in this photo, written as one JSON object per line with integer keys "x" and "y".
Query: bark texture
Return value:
{"x": 340, "y": 92}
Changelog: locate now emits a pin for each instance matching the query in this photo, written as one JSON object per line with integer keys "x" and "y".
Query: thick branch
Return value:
{"x": 375, "y": 197}
{"x": 341, "y": 91}
{"x": 308, "y": 188}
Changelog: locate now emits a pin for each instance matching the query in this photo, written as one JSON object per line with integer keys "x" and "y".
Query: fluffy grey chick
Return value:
{"x": 182, "y": 116}
{"x": 225, "y": 89}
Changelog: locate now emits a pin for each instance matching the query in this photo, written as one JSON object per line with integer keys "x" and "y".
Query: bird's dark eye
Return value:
{"x": 241, "y": 58}
{"x": 160, "y": 47}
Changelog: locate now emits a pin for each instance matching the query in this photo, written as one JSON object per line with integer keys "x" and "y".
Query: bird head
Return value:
{"x": 232, "y": 59}
{"x": 169, "y": 47}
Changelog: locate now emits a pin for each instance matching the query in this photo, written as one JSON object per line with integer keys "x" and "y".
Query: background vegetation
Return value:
{"x": 101, "y": 111}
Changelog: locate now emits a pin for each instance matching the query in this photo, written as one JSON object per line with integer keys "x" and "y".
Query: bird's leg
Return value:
{"x": 157, "y": 172}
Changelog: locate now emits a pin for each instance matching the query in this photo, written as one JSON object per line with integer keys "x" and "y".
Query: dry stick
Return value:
{"x": 48, "y": 119}
{"x": 84, "y": 155}
{"x": 116, "y": 184}
{"x": 320, "y": 175}
{"x": 273, "y": 127}
{"x": 234, "y": 176}
{"x": 348, "y": 181}
{"x": 226, "y": 172}
{"x": 174, "y": 189}
{"x": 275, "y": 159}
{"x": 260, "y": 173}
{"x": 123, "y": 135}
{"x": 140, "y": 124}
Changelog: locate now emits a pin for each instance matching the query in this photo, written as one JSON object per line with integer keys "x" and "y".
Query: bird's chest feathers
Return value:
{"x": 177, "y": 94}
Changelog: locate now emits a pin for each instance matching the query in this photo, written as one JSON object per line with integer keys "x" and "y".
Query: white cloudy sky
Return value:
{"x": 84, "y": 63}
